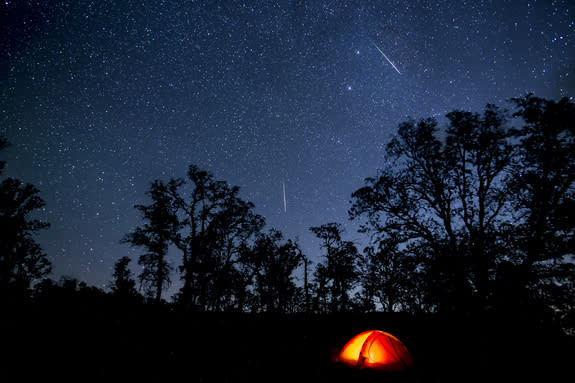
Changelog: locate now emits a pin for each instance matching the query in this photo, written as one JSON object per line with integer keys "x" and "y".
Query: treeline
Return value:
{"x": 229, "y": 263}
{"x": 473, "y": 215}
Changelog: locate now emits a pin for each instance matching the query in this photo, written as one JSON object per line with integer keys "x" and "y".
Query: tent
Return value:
{"x": 376, "y": 350}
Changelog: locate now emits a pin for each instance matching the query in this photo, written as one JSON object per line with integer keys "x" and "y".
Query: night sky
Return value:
{"x": 99, "y": 98}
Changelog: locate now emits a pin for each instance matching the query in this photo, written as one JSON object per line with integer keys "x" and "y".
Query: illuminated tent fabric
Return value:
{"x": 376, "y": 350}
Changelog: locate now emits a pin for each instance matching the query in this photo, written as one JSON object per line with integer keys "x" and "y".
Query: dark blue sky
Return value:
{"x": 99, "y": 98}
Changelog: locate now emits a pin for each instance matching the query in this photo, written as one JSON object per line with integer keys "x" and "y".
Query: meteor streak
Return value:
{"x": 285, "y": 203}
{"x": 388, "y": 60}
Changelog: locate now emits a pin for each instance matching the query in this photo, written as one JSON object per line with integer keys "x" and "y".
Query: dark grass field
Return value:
{"x": 167, "y": 346}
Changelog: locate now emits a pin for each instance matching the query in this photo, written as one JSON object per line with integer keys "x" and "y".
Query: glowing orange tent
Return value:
{"x": 376, "y": 350}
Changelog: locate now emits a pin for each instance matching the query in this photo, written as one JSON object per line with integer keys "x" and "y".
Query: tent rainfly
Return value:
{"x": 376, "y": 350}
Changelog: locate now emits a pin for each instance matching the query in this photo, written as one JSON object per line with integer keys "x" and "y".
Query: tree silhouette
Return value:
{"x": 155, "y": 236}
{"x": 306, "y": 285}
{"x": 3, "y": 144}
{"x": 339, "y": 271}
{"x": 478, "y": 156}
{"x": 443, "y": 202}
{"x": 68, "y": 295}
{"x": 214, "y": 226}
{"x": 123, "y": 285}
{"x": 233, "y": 227}
{"x": 390, "y": 280}
{"x": 320, "y": 290}
{"x": 413, "y": 203}
{"x": 22, "y": 260}
{"x": 273, "y": 264}
{"x": 473, "y": 202}
{"x": 544, "y": 201}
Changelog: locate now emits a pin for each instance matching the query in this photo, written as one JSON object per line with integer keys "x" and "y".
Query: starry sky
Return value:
{"x": 99, "y": 98}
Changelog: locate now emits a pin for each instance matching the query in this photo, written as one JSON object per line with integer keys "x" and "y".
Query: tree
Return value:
{"x": 544, "y": 188}
{"x": 320, "y": 289}
{"x": 191, "y": 239}
{"x": 273, "y": 263}
{"x": 232, "y": 228}
{"x": 3, "y": 144}
{"x": 306, "y": 285}
{"x": 69, "y": 295}
{"x": 443, "y": 201}
{"x": 484, "y": 208}
{"x": 216, "y": 226}
{"x": 161, "y": 225}
{"x": 479, "y": 156}
{"x": 339, "y": 271}
{"x": 123, "y": 285}
{"x": 389, "y": 279}
{"x": 22, "y": 260}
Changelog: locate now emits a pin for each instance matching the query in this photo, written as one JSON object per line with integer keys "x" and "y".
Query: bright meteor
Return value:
{"x": 388, "y": 60}
{"x": 285, "y": 203}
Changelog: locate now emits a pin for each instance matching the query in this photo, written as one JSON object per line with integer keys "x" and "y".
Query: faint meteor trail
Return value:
{"x": 285, "y": 203}
{"x": 388, "y": 60}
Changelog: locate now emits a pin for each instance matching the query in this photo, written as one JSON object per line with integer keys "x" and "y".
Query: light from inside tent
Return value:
{"x": 376, "y": 350}
{"x": 350, "y": 353}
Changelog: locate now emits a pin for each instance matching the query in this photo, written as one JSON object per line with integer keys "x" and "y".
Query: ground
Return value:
{"x": 166, "y": 345}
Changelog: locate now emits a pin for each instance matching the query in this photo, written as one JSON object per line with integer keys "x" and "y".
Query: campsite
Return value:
{"x": 464, "y": 276}
{"x": 209, "y": 347}
{"x": 287, "y": 191}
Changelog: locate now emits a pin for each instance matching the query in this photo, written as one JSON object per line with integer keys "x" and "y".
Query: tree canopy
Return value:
{"x": 468, "y": 203}
{"x": 475, "y": 213}
{"x": 22, "y": 260}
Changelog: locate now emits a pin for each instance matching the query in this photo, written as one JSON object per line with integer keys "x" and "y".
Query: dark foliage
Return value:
{"x": 215, "y": 228}
{"x": 123, "y": 285}
{"x": 335, "y": 276}
{"x": 273, "y": 262}
{"x": 22, "y": 260}
{"x": 160, "y": 227}
{"x": 476, "y": 215}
